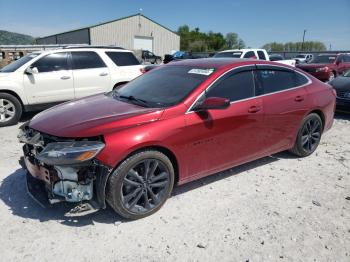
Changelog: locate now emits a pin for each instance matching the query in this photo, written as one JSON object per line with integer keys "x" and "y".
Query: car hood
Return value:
{"x": 92, "y": 116}
{"x": 312, "y": 65}
{"x": 341, "y": 83}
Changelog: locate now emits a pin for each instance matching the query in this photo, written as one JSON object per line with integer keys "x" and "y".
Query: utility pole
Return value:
{"x": 302, "y": 44}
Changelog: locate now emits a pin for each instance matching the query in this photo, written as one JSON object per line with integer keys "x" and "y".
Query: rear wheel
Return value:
{"x": 10, "y": 110}
{"x": 309, "y": 136}
{"x": 141, "y": 184}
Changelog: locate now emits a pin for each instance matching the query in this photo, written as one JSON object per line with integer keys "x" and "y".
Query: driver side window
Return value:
{"x": 235, "y": 87}
{"x": 52, "y": 62}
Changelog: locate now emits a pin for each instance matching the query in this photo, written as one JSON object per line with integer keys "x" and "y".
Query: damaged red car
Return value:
{"x": 172, "y": 125}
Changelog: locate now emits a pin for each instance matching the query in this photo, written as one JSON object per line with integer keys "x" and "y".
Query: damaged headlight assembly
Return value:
{"x": 69, "y": 153}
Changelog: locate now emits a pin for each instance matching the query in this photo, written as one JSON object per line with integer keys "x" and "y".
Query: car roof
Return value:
{"x": 213, "y": 62}
{"x": 84, "y": 49}
{"x": 242, "y": 50}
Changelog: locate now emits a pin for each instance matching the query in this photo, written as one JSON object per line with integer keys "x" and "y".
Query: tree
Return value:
{"x": 197, "y": 41}
{"x": 231, "y": 40}
{"x": 295, "y": 46}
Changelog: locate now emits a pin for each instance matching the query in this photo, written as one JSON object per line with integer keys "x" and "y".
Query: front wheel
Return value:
{"x": 141, "y": 184}
{"x": 10, "y": 110}
{"x": 309, "y": 136}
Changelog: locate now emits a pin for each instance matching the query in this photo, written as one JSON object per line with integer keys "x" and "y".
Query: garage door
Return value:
{"x": 144, "y": 43}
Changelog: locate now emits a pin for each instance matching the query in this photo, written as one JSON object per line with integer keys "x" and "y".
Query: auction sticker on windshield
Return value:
{"x": 199, "y": 71}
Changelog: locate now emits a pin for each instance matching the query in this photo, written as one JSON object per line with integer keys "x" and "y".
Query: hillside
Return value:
{"x": 10, "y": 38}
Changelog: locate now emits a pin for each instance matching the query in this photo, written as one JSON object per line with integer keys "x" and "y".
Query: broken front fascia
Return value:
{"x": 66, "y": 166}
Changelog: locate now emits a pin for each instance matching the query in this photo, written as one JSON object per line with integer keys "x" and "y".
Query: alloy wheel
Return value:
{"x": 145, "y": 186}
{"x": 7, "y": 110}
{"x": 311, "y": 134}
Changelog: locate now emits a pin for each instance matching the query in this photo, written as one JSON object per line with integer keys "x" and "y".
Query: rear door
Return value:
{"x": 91, "y": 74}
{"x": 125, "y": 66}
{"x": 222, "y": 138}
{"x": 52, "y": 83}
{"x": 285, "y": 103}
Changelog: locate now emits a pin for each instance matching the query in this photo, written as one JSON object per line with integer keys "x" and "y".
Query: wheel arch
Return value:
{"x": 10, "y": 92}
{"x": 119, "y": 84}
{"x": 163, "y": 150}
{"x": 321, "y": 115}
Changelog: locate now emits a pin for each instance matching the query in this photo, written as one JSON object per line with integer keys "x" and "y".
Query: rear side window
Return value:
{"x": 300, "y": 79}
{"x": 86, "y": 60}
{"x": 52, "y": 62}
{"x": 261, "y": 55}
{"x": 235, "y": 87}
{"x": 123, "y": 58}
{"x": 276, "y": 80}
{"x": 249, "y": 54}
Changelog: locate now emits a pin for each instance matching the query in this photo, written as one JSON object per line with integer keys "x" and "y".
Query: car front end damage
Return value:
{"x": 64, "y": 170}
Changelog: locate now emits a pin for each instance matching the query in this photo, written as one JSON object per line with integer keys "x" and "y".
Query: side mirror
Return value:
{"x": 32, "y": 71}
{"x": 212, "y": 103}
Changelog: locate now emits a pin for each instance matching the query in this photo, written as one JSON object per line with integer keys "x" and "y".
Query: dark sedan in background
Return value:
{"x": 342, "y": 86}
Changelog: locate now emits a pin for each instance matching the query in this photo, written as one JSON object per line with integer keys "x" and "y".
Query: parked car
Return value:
{"x": 149, "y": 57}
{"x": 327, "y": 66}
{"x": 182, "y": 55}
{"x": 259, "y": 54}
{"x": 303, "y": 58}
{"x": 342, "y": 86}
{"x": 42, "y": 79}
{"x": 172, "y": 125}
{"x": 276, "y": 57}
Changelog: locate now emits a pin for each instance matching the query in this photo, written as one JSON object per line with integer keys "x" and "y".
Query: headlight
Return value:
{"x": 322, "y": 69}
{"x": 67, "y": 153}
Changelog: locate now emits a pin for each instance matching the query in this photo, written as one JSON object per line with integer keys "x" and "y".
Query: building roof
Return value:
{"x": 107, "y": 22}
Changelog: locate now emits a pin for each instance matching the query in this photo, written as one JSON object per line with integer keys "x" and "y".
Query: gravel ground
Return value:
{"x": 278, "y": 208}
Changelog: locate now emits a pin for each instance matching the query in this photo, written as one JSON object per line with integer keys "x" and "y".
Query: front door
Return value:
{"x": 53, "y": 81}
{"x": 227, "y": 137}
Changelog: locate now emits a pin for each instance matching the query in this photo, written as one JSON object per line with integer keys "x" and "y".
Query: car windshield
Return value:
{"x": 229, "y": 54}
{"x": 300, "y": 56}
{"x": 323, "y": 59}
{"x": 163, "y": 87}
{"x": 18, "y": 63}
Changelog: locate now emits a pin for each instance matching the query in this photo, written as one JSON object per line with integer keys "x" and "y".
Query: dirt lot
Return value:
{"x": 278, "y": 208}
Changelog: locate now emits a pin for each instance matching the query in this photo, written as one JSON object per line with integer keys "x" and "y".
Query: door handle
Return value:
{"x": 65, "y": 77}
{"x": 103, "y": 74}
{"x": 299, "y": 98}
{"x": 254, "y": 109}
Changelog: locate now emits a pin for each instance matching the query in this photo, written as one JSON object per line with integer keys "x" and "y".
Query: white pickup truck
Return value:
{"x": 259, "y": 54}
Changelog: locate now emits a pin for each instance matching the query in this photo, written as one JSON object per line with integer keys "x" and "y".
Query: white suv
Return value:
{"x": 42, "y": 79}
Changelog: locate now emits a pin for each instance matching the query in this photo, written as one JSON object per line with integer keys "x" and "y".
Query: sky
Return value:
{"x": 256, "y": 21}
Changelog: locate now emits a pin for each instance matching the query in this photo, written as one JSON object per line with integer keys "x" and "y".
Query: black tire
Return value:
{"x": 309, "y": 136}
{"x": 124, "y": 187}
{"x": 10, "y": 110}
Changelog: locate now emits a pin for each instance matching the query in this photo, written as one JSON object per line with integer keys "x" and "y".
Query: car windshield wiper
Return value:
{"x": 132, "y": 98}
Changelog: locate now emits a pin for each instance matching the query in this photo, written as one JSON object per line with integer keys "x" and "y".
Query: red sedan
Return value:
{"x": 174, "y": 124}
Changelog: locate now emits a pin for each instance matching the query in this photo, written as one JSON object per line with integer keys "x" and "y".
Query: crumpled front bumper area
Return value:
{"x": 50, "y": 184}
